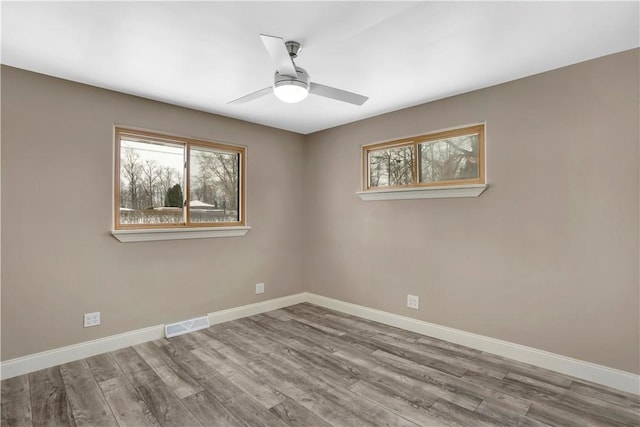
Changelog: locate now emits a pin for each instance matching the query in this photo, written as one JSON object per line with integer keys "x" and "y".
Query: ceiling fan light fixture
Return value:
{"x": 291, "y": 83}
{"x": 291, "y": 89}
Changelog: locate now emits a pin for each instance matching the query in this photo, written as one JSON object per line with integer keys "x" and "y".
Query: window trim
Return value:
{"x": 415, "y": 141}
{"x": 448, "y": 192}
{"x": 187, "y": 143}
{"x": 155, "y": 234}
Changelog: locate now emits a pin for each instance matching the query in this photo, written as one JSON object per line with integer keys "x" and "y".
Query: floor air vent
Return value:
{"x": 186, "y": 326}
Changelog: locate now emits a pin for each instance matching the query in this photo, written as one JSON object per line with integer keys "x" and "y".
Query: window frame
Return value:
{"x": 186, "y": 143}
{"x": 415, "y": 141}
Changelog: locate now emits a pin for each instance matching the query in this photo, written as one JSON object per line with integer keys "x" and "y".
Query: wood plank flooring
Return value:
{"x": 307, "y": 366}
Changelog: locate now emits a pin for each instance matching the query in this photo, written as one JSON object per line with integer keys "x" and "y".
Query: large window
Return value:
{"x": 165, "y": 181}
{"x": 448, "y": 158}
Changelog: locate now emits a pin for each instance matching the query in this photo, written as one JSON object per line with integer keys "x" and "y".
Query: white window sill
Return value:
{"x": 444, "y": 192}
{"x": 126, "y": 236}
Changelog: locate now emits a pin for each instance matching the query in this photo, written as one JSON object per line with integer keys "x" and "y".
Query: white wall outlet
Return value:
{"x": 260, "y": 288}
{"x": 413, "y": 301}
{"x": 91, "y": 319}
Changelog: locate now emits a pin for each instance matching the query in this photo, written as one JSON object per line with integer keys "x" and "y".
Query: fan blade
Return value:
{"x": 278, "y": 51}
{"x": 338, "y": 94}
{"x": 255, "y": 95}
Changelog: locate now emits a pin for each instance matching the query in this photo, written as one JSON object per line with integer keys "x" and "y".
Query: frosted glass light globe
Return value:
{"x": 291, "y": 91}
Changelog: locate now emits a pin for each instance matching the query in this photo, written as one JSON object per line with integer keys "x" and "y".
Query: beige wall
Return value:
{"x": 546, "y": 257}
{"x": 58, "y": 258}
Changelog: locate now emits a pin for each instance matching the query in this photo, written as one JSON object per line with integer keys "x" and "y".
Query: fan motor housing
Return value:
{"x": 301, "y": 80}
{"x": 294, "y": 48}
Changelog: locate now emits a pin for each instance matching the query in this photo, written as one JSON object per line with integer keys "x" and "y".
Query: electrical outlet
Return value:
{"x": 413, "y": 301}
{"x": 91, "y": 319}
{"x": 260, "y": 288}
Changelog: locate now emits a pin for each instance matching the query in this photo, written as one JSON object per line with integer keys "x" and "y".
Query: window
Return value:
{"x": 450, "y": 158}
{"x": 171, "y": 182}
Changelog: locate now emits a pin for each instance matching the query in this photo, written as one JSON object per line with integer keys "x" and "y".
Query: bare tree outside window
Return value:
{"x": 152, "y": 184}
{"x": 450, "y": 159}
{"x": 130, "y": 178}
{"x": 216, "y": 183}
{"x": 391, "y": 167}
{"x": 446, "y": 158}
{"x": 147, "y": 170}
{"x": 168, "y": 179}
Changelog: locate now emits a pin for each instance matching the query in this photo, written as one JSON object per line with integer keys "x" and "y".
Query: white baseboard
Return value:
{"x": 614, "y": 378}
{"x": 257, "y": 308}
{"x": 58, "y": 356}
{"x": 580, "y": 369}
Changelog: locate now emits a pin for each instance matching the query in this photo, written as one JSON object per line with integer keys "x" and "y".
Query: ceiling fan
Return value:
{"x": 291, "y": 83}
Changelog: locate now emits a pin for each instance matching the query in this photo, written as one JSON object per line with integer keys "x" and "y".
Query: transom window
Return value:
{"x": 447, "y": 158}
{"x": 167, "y": 182}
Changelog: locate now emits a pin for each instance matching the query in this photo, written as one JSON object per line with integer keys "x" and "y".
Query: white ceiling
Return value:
{"x": 204, "y": 54}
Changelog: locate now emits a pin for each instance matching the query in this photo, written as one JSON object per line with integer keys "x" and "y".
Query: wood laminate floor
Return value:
{"x": 307, "y": 366}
